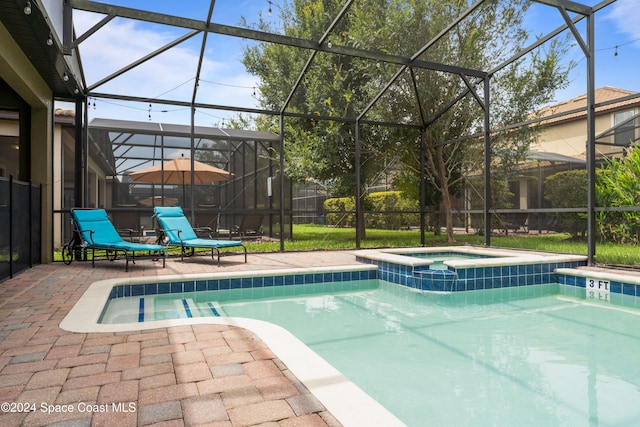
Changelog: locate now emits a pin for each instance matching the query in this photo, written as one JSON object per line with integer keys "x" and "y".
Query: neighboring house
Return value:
{"x": 565, "y": 132}
{"x": 562, "y": 143}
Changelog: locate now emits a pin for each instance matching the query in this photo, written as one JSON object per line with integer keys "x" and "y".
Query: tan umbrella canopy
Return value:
{"x": 178, "y": 171}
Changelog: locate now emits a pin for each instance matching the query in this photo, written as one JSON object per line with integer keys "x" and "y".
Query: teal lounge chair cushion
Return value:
{"x": 98, "y": 231}
{"x": 179, "y": 231}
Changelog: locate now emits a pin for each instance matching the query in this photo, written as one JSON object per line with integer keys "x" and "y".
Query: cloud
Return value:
{"x": 625, "y": 15}
{"x": 170, "y": 75}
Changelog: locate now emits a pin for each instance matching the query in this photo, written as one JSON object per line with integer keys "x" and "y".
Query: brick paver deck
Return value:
{"x": 213, "y": 375}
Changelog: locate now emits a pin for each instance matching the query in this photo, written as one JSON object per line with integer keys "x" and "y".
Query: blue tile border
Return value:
{"x": 615, "y": 286}
{"x": 214, "y": 284}
{"x": 471, "y": 278}
{"x": 416, "y": 277}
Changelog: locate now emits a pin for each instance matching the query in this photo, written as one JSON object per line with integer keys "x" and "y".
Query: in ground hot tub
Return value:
{"x": 462, "y": 268}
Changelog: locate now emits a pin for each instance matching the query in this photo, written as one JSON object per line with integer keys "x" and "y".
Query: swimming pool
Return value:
{"x": 341, "y": 397}
{"x": 532, "y": 355}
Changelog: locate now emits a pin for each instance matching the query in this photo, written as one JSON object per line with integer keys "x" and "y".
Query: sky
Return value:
{"x": 224, "y": 80}
{"x": 617, "y": 46}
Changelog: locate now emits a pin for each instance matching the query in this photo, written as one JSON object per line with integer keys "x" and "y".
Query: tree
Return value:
{"x": 342, "y": 86}
{"x": 516, "y": 92}
{"x": 336, "y": 86}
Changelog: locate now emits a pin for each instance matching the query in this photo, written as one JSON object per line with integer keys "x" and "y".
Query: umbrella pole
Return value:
{"x": 184, "y": 197}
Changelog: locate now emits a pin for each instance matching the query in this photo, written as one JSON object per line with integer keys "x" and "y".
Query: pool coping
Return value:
{"x": 501, "y": 256}
{"x": 589, "y": 272}
{"x": 345, "y": 400}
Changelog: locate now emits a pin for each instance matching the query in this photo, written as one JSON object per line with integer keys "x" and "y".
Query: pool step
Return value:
{"x": 147, "y": 309}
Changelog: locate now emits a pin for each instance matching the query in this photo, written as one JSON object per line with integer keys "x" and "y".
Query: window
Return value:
{"x": 626, "y": 132}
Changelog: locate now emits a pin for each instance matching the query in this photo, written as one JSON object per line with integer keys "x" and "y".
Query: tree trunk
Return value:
{"x": 361, "y": 230}
{"x": 446, "y": 197}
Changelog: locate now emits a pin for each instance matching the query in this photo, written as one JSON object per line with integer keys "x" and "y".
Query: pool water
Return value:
{"x": 439, "y": 258}
{"x": 444, "y": 256}
{"x": 526, "y": 356}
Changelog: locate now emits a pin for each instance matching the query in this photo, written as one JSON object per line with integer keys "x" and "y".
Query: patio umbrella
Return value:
{"x": 159, "y": 201}
{"x": 178, "y": 171}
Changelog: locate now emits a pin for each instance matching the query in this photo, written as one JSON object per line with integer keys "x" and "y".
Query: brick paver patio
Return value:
{"x": 214, "y": 375}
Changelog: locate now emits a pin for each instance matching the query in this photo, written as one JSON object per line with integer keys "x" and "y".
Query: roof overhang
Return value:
{"x": 553, "y": 157}
{"x": 36, "y": 35}
{"x": 153, "y": 128}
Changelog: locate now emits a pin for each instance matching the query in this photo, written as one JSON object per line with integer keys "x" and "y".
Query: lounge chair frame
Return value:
{"x": 85, "y": 238}
{"x": 175, "y": 230}
{"x": 250, "y": 226}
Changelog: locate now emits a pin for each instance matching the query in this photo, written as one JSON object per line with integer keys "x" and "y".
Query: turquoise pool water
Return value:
{"x": 439, "y": 258}
{"x": 444, "y": 256}
{"x": 526, "y": 356}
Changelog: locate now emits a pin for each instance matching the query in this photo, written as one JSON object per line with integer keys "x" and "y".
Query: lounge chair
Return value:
{"x": 178, "y": 232}
{"x": 93, "y": 230}
{"x": 250, "y": 226}
{"x": 516, "y": 222}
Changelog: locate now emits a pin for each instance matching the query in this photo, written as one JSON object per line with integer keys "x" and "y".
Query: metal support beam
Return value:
{"x": 473, "y": 91}
{"x": 143, "y": 60}
{"x": 196, "y": 82}
{"x": 487, "y": 164}
{"x": 591, "y": 143}
{"x": 282, "y": 186}
{"x": 187, "y": 104}
{"x": 415, "y": 56}
{"x": 414, "y": 81}
{"x": 92, "y": 30}
{"x": 192, "y": 151}
{"x": 78, "y": 183}
{"x": 324, "y": 37}
{"x": 261, "y": 36}
{"x": 568, "y": 5}
{"x": 423, "y": 189}
{"x": 84, "y": 113}
{"x": 574, "y": 31}
{"x": 67, "y": 28}
{"x": 357, "y": 190}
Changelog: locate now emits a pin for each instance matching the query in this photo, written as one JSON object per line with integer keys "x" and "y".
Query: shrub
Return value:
{"x": 618, "y": 185}
{"x": 338, "y": 211}
{"x": 390, "y": 204}
{"x": 387, "y": 205}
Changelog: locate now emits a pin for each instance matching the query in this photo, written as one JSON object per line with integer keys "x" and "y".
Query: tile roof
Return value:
{"x": 603, "y": 95}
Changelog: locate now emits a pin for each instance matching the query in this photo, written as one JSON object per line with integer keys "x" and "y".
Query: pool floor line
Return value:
{"x": 213, "y": 309}
{"x": 187, "y": 310}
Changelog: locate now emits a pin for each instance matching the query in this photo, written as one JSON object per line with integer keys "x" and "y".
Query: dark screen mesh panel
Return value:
{"x": 36, "y": 225}
{"x": 20, "y": 241}
{"x": 5, "y": 218}
{"x": 20, "y": 245}
{"x": 251, "y": 157}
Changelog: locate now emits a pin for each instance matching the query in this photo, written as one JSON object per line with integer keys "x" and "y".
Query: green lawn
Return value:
{"x": 316, "y": 237}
